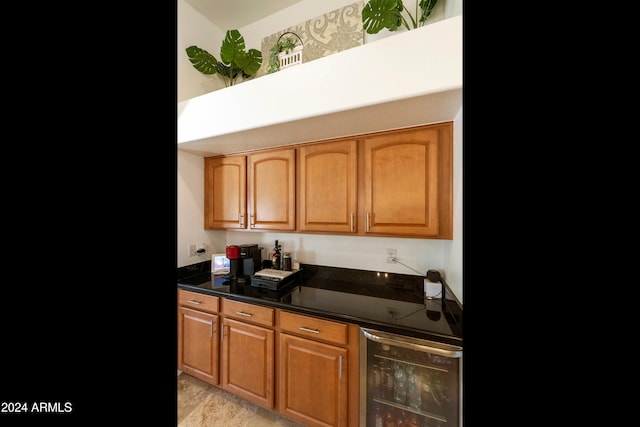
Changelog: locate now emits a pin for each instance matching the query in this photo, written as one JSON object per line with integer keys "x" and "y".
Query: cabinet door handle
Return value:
{"x": 315, "y": 331}
{"x": 192, "y": 301}
{"x": 241, "y": 220}
{"x": 211, "y": 331}
{"x": 340, "y": 367}
{"x": 242, "y": 313}
{"x": 368, "y": 220}
{"x": 222, "y": 332}
{"x": 351, "y": 223}
{"x": 252, "y": 221}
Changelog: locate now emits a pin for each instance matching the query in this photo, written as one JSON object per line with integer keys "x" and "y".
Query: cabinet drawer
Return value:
{"x": 314, "y": 327}
{"x": 249, "y": 312}
{"x": 198, "y": 301}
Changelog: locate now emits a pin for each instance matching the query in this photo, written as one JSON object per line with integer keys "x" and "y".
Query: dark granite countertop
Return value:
{"x": 388, "y": 302}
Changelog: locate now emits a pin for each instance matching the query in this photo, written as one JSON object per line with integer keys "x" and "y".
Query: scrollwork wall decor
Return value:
{"x": 324, "y": 35}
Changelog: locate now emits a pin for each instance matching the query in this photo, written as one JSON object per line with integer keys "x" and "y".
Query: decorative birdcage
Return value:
{"x": 291, "y": 57}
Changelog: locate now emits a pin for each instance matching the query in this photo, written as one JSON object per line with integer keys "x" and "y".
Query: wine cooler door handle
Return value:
{"x": 413, "y": 344}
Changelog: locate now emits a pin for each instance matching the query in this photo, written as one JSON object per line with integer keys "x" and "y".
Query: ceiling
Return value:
{"x": 231, "y": 15}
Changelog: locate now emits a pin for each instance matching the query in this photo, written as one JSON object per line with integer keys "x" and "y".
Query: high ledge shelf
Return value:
{"x": 406, "y": 79}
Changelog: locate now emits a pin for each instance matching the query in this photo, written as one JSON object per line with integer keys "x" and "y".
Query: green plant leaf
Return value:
{"x": 427, "y": 7}
{"x": 224, "y": 70}
{"x": 232, "y": 46}
{"x": 202, "y": 60}
{"x": 249, "y": 62}
{"x": 379, "y": 14}
{"x": 235, "y": 61}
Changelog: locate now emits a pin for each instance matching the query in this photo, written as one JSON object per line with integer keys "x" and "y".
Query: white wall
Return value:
{"x": 194, "y": 29}
{"x": 359, "y": 252}
{"x": 190, "y": 212}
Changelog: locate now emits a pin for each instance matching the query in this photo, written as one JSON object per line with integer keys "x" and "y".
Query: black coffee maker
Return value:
{"x": 244, "y": 261}
{"x": 251, "y": 259}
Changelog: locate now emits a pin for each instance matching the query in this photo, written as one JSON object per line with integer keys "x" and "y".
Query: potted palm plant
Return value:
{"x": 390, "y": 14}
{"x": 234, "y": 62}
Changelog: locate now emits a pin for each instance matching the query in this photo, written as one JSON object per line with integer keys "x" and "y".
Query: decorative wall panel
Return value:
{"x": 329, "y": 33}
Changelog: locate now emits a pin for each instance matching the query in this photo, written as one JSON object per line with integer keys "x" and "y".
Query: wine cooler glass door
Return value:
{"x": 410, "y": 382}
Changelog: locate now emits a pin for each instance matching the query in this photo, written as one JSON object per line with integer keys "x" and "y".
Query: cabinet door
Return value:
{"x": 408, "y": 182}
{"x": 225, "y": 189}
{"x": 327, "y": 187}
{"x": 271, "y": 190}
{"x": 198, "y": 345}
{"x": 313, "y": 382}
{"x": 248, "y": 362}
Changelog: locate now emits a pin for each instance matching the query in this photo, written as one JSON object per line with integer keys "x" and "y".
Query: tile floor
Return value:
{"x": 203, "y": 405}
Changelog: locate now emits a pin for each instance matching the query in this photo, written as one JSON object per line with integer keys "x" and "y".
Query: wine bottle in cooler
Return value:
{"x": 378, "y": 416}
{"x": 390, "y": 417}
{"x": 401, "y": 419}
{"x": 413, "y": 420}
{"x": 414, "y": 387}
{"x": 428, "y": 402}
{"x": 400, "y": 383}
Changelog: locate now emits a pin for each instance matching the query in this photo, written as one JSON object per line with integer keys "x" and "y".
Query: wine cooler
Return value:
{"x": 409, "y": 382}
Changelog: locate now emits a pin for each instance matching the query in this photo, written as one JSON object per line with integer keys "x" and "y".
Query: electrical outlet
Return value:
{"x": 391, "y": 255}
{"x": 192, "y": 250}
{"x": 201, "y": 246}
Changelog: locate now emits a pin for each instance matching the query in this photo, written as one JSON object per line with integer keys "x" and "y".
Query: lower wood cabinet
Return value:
{"x": 248, "y": 352}
{"x": 313, "y": 382}
{"x": 198, "y": 344}
{"x": 248, "y": 362}
{"x": 304, "y": 367}
{"x": 318, "y": 370}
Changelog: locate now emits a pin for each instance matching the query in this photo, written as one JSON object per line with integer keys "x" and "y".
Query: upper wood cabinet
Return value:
{"x": 327, "y": 186}
{"x": 393, "y": 183}
{"x": 225, "y": 189}
{"x": 408, "y": 182}
{"x": 255, "y": 191}
{"x": 271, "y": 189}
